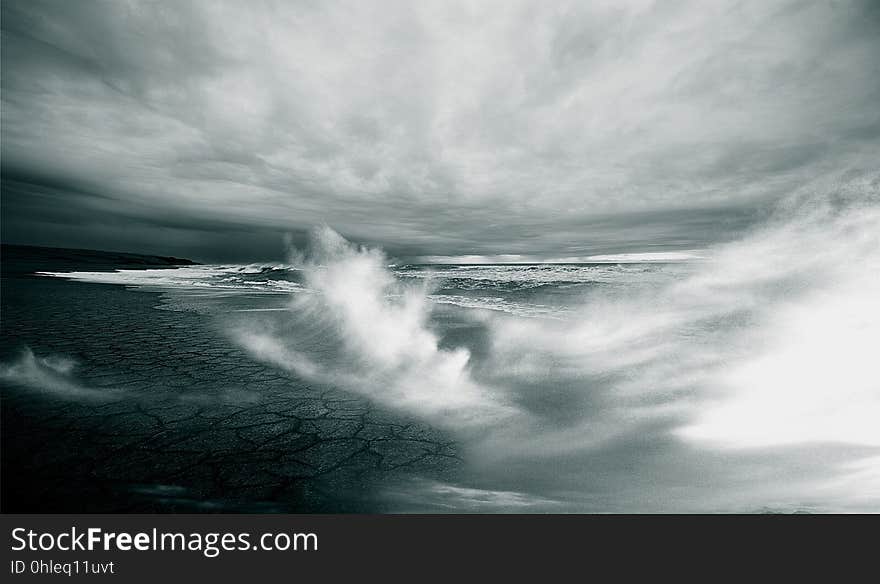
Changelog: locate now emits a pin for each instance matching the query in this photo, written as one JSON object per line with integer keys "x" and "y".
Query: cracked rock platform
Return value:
{"x": 112, "y": 405}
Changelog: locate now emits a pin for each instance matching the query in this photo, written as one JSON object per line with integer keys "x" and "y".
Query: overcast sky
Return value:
{"x": 553, "y": 129}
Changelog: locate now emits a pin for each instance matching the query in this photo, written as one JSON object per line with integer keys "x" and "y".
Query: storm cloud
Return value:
{"x": 211, "y": 129}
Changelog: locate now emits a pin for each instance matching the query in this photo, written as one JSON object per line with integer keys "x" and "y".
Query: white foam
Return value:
{"x": 224, "y": 277}
{"x": 521, "y": 309}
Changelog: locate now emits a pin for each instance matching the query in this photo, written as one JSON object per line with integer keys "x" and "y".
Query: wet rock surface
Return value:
{"x": 161, "y": 412}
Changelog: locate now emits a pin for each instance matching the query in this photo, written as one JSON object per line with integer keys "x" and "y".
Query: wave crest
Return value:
{"x": 364, "y": 330}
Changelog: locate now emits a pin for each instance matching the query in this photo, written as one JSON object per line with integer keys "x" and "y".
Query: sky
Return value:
{"x": 226, "y": 130}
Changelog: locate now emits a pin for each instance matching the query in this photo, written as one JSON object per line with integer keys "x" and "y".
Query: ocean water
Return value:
{"x": 743, "y": 381}
{"x": 526, "y": 290}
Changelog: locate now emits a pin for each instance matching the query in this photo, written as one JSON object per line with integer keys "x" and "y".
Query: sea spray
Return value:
{"x": 362, "y": 329}
{"x": 52, "y": 376}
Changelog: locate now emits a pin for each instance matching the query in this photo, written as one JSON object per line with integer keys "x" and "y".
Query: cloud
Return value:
{"x": 436, "y": 128}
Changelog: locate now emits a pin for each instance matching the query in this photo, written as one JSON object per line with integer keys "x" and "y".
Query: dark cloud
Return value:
{"x": 210, "y": 129}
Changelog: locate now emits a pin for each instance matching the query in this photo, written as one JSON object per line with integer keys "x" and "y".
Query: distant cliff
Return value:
{"x": 26, "y": 259}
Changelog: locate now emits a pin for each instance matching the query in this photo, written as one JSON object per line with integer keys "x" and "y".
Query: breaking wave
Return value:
{"x": 365, "y": 330}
